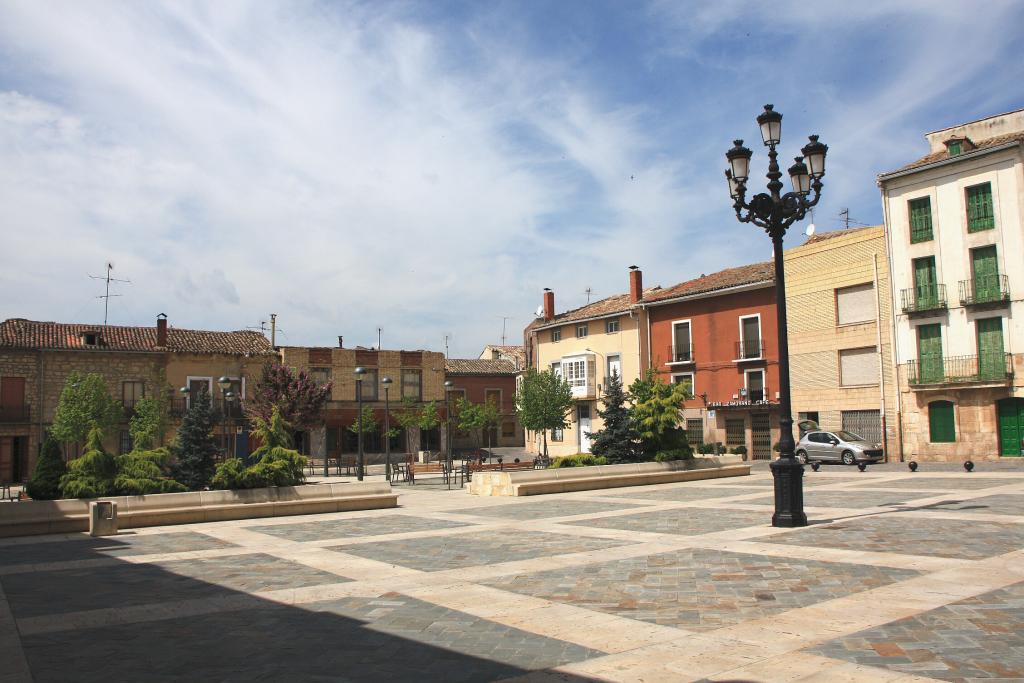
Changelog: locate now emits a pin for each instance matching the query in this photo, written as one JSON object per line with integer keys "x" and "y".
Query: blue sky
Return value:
{"x": 429, "y": 167}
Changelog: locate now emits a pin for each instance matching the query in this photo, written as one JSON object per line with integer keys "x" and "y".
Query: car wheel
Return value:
{"x": 848, "y": 458}
{"x": 802, "y": 457}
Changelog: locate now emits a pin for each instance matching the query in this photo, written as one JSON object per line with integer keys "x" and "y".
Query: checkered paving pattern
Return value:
{"x": 993, "y": 505}
{"x": 913, "y": 536}
{"x": 469, "y": 550}
{"x": 680, "y": 494}
{"x": 546, "y": 509}
{"x": 123, "y": 545}
{"x": 959, "y": 482}
{"x": 981, "y": 638}
{"x": 856, "y": 499}
{"x": 701, "y": 589}
{"x": 355, "y": 527}
{"x": 684, "y": 521}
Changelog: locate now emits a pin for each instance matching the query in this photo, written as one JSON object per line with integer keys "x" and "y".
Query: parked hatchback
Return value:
{"x": 842, "y": 446}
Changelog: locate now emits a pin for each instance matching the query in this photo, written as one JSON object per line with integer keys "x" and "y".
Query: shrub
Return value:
{"x": 740, "y": 450}
{"x": 579, "y": 460}
{"x": 228, "y": 474}
{"x": 674, "y": 454}
{"x": 50, "y": 467}
{"x": 275, "y": 465}
{"x": 143, "y": 472}
{"x": 91, "y": 475}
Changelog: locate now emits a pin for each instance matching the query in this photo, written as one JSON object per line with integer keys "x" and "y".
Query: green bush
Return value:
{"x": 228, "y": 474}
{"x": 142, "y": 472}
{"x": 50, "y": 467}
{"x": 674, "y": 454}
{"x": 579, "y": 460}
{"x": 91, "y": 475}
{"x": 97, "y": 473}
{"x": 740, "y": 450}
{"x": 276, "y": 465}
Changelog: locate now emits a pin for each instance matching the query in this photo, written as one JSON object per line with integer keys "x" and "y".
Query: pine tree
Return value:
{"x": 619, "y": 440}
{"x": 91, "y": 475}
{"x": 195, "y": 448}
{"x": 50, "y": 467}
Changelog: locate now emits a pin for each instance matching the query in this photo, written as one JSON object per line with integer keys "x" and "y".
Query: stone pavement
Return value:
{"x": 900, "y": 577}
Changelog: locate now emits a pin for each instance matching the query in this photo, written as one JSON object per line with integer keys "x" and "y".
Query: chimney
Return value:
{"x": 341, "y": 342}
{"x": 549, "y": 304}
{"x": 636, "y": 285}
{"x": 161, "y": 330}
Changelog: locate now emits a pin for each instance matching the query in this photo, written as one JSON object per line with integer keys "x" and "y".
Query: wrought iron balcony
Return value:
{"x": 923, "y": 299}
{"x": 750, "y": 349}
{"x": 15, "y": 414}
{"x": 996, "y": 367}
{"x": 679, "y": 354}
{"x": 985, "y": 289}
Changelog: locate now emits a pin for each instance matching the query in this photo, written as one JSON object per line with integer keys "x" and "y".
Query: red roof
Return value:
{"x": 942, "y": 155}
{"x": 723, "y": 279}
{"x": 19, "y": 333}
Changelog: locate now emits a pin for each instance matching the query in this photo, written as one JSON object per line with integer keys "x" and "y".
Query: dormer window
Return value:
{"x": 957, "y": 146}
{"x": 90, "y": 338}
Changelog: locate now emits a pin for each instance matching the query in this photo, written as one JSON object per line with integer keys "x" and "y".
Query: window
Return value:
{"x": 991, "y": 357}
{"x": 90, "y": 338}
{"x": 750, "y": 337}
{"x": 920, "y": 211}
{"x": 412, "y": 384}
{"x": 370, "y": 385}
{"x": 929, "y": 353}
{"x": 575, "y": 372}
{"x": 867, "y": 423}
{"x": 980, "y": 214}
{"x": 681, "y": 350}
{"x": 124, "y": 444}
{"x": 684, "y": 378}
{"x": 941, "y": 422}
{"x": 132, "y": 392}
{"x": 508, "y": 428}
{"x": 456, "y": 395}
{"x": 493, "y": 396}
{"x": 614, "y": 366}
{"x": 755, "y": 385}
{"x": 926, "y": 289}
{"x": 855, "y": 304}
{"x": 581, "y": 331}
{"x": 954, "y": 147}
{"x": 556, "y": 369}
{"x": 320, "y": 376}
{"x": 197, "y": 385}
{"x": 735, "y": 432}
{"x": 985, "y": 274}
{"x": 858, "y": 366}
{"x": 556, "y": 334}
{"x": 694, "y": 431}
{"x": 557, "y": 435}
{"x": 611, "y": 326}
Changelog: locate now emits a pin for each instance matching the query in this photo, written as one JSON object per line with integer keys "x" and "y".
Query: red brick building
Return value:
{"x": 718, "y": 334}
{"x": 482, "y": 380}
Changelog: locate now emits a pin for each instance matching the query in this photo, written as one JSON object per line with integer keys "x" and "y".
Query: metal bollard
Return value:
{"x": 102, "y": 518}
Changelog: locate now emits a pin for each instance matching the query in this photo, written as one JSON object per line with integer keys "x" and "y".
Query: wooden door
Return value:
{"x": 12, "y": 392}
{"x": 991, "y": 361}
{"x": 985, "y": 270}
{"x": 7, "y": 459}
{"x": 1011, "y": 427}
{"x": 925, "y": 290}
{"x": 929, "y": 353}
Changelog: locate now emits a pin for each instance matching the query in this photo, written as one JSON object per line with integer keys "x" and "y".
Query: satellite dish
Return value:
{"x": 539, "y": 312}
{"x": 810, "y": 230}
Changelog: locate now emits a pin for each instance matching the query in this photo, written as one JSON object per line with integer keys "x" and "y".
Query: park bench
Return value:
{"x": 472, "y": 467}
{"x": 414, "y": 468}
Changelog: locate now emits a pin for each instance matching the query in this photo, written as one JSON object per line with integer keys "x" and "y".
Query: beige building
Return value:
{"x": 954, "y": 221}
{"x": 585, "y": 346}
{"x": 840, "y": 335}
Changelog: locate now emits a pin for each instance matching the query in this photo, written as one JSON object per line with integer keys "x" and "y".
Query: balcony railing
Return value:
{"x": 996, "y": 367}
{"x": 750, "y": 349}
{"x": 13, "y": 414}
{"x": 984, "y": 289}
{"x": 680, "y": 354}
{"x": 923, "y": 298}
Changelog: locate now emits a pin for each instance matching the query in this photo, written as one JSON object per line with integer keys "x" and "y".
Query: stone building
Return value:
{"x": 955, "y": 231}
{"x": 37, "y": 357}
{"x": 487, "y": 380}
{"x": 840, "y": 335}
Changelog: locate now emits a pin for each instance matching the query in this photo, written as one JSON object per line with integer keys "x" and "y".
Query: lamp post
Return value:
{"x": 386, "y": 381}
{"x": 775, "y": 212}
{"x": 359, "y": 372}
{"x": 448, "y": 384}
{"x": 225, "y": 385}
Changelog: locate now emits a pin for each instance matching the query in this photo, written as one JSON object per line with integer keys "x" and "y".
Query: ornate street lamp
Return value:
{"x": 448, "y": 385}
{"x": 359, "y": 372}
{"x": 386, "y": 381}
{"x": 775, "y": 212}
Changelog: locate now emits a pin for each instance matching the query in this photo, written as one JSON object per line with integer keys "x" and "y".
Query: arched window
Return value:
{"x": 941, "y": 422}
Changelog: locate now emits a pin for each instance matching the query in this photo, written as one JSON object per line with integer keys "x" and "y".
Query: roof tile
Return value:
{"x": 723, "y": 279}
{"x": 479, "y": 366}
{"x": 979, "y": 145}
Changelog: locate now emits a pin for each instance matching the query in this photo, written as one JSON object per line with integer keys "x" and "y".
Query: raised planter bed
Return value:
{"x": 536, "y": 482}
{"x": 64, "y": 516}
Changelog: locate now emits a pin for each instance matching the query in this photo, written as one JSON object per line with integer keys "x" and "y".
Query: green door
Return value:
{"x": 986, "y": 274}
{"x": 925, "y": 291}
{"x": 1011, "y": 426}
{"x": 991, "y": 361}
{"x": 929, "y": 353}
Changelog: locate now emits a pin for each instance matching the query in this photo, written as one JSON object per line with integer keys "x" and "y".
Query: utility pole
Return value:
{"x": 106, "y": 295}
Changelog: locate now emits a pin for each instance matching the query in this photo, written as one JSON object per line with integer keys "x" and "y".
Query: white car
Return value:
{"x": 842, "y": 446}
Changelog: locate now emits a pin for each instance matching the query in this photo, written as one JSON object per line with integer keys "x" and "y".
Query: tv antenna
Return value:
{"x": 504, "y": 318}
{"x": 588, "y": 291}
{"x": 106, "y": 295}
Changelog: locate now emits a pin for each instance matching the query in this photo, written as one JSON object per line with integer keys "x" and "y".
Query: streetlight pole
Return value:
{"x": 448, "y": 384}
{"x": 225, "y": 385}
{"x": 387, "y": 429}
{"x": 360, "y": 371}
{"x": 775, "y": 212}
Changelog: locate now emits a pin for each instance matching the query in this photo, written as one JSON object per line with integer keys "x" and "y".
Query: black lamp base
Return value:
{"x": 789, "y": 493}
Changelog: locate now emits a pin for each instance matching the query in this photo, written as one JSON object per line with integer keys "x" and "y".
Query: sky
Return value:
{"x": 427, "y": 168}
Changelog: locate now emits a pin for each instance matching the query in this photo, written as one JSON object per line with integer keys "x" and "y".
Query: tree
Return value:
{"x": 414, "y": 416}
{"x": 365, "y": 422}
{"x": 91, "y": 475}
{"x": 50, "y": 467}
{"x": 655, "y": 412}
{"x": 85, "y": 403}
{"x": 299, "y": 399}
{"x": 619, "y": 440}
{"x": 473, "y": 416}
{"x": 543, "y": 402}
{"x": 148, "y": 424}
{"x": 276, "y": 463}
{"x": 195, "y": 447}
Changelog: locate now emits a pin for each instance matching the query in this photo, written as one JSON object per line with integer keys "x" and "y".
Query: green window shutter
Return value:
{"x": 941, "y": 423}
{"x": 985, "y": 270}
{"x": 954, "y": 147}
{"x": 929, "y": 353}
{"x": 991, "y": 358}
{"x": 980, "y": 214}
{"x": 926, "y": 292}
{"x": 920, "y": 220}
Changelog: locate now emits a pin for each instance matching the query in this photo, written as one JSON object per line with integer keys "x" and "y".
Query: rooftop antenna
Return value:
{"x": 845, "y": 216}
{"x": 446, "y": 346}
{"x": 273, "y": 330}
{"x": 503, "y": 319}
{"x": 379, "y": 347}
{"x": 588, "y": 291}
{"x": 106, "y": 295}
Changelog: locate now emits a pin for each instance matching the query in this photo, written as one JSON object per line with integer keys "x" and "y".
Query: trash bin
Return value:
{"x": 102, "y": 518}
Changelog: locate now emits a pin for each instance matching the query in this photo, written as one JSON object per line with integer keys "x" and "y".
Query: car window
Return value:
{"x": 849, "y": 436}
{"x": 817, "y": 437}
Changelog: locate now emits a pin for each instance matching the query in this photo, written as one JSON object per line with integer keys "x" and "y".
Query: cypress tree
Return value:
{"x": 618, "y": 441}
{"x": 45, "y": 482}
{"x": 195, "y": 448}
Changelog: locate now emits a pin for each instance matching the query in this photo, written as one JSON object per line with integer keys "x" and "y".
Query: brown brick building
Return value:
{"x": 482, "y": 380}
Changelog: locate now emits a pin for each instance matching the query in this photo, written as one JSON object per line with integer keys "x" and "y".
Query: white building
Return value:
{"x": 955, "y": 233}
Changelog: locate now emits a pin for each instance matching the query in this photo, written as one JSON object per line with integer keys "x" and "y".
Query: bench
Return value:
{"x": 346, "y": 461}
{"x": 472, "y": 467}
{"x": 414, "y": 468}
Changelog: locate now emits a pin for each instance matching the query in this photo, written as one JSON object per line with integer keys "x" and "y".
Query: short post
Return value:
{"x": 102, "y": 518}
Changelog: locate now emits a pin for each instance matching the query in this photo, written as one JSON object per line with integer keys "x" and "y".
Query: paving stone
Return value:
{"x": 393, "y": 639}
{"x": 939, "y": 484}
{"x": 125, "y": 543}
{"x": 684, "y": 493}
{"x": 354, "y": 527}
{"x": 857, "y": 499}
{"x": 701, "y": 589}
{"x": 975, "y": 639}
{"x": 970, "y": 540}
{"x": 683, "y": 521}
{"x": 543, "y": 509}
{"x": 72, "y": 590}
{"x": 471, "y": 550}
{"x": 1002, "y": 504}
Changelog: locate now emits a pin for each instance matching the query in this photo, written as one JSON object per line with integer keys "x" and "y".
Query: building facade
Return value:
{"x": 718, "y": 335}
{"x": 840, "y": 335}
{"x": 486, "y": 381}
{"x": 955, "y": 233}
